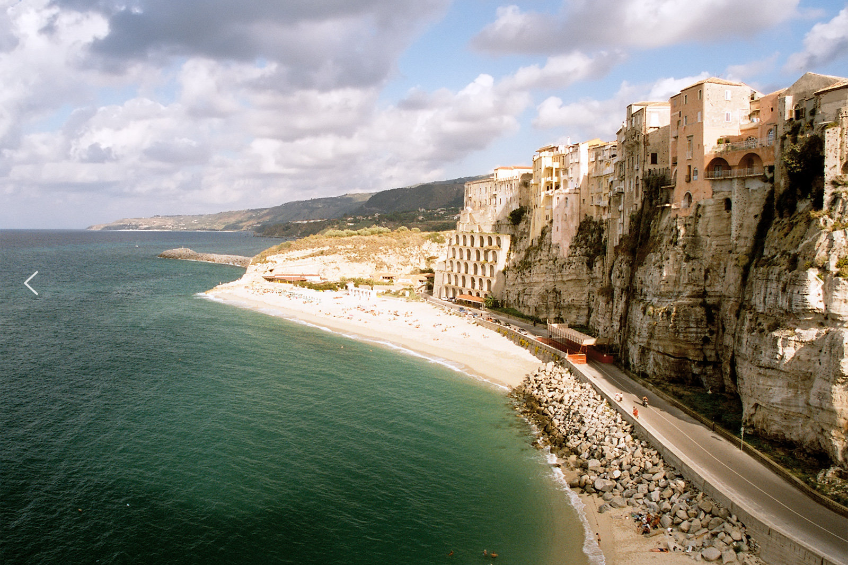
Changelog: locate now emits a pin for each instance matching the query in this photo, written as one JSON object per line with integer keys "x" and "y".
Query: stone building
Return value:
{"x": 602, "y": 159}
{"x": 643, "y": 150}
{"x": 701, "y": 115}
{"x": 546, "y": 179}
{"x": 477, "y": 251}
{"x": 474, "y": 266}
{"x": 815, "y": 104}
{"x": 489, "y": 201}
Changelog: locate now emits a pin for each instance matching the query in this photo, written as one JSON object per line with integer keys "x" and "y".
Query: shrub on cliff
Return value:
{"x": 517, "y": 215}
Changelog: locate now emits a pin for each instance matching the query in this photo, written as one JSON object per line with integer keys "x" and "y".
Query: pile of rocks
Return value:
{"x": 602, "y": 455}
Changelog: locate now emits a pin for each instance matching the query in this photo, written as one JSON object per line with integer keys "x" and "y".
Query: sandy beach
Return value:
{"x": 412, "y": 325}
{"x": 457, "y": 341}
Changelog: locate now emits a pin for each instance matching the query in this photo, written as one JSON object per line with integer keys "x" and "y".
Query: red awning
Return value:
{"x": 469, "y": 298}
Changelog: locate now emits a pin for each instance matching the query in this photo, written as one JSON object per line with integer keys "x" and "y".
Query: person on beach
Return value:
{"x": 635, "y": 412}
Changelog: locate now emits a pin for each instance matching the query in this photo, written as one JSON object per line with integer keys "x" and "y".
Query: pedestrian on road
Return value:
{"x": 635, "y": 412}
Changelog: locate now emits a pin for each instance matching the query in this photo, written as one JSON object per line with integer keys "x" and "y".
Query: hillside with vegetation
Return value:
{"x": 293, "y": 219}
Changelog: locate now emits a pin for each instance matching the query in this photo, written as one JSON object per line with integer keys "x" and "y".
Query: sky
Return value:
{"x": 129, "y": 108}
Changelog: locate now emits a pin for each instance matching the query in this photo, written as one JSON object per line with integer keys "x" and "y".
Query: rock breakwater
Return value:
{"x": 187, "y": 254}
{"x": 601, "y": 454}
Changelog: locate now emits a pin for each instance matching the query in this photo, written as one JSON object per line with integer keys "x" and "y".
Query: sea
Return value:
{"x": 143, "y": 423}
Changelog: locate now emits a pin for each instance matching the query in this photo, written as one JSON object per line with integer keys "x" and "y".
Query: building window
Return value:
{"x": 699, "y": 116}
{"x": 700, "y": 94}
{"x": 653, "y": 158}
{"x": 727, "y": 95}
{"x": 727, "y": 116}
{"x": 685, "y": 120}
{"x": 685, "y": 98}
{"x": 695, "y": 173}
{"x": 687, "y": 200}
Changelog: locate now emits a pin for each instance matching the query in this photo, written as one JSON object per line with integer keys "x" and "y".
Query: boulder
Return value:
{"x": 618, "y": 502}
{"x": 705, "y": 505}
{"x": 710, "y": 554}
{"x": 728, "y": 556}
{"x": 715, "y": 523}
{"x": 695, "y": 525}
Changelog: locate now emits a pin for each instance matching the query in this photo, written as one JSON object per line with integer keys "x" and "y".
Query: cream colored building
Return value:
{"x": 477, "y": 250}
{"x": 602, "y": 160}
{"x": 488, "y": 202}
{"x": 474, "y": 266}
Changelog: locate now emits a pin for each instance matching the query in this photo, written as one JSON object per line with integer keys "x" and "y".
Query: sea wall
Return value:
{"x": 610, "y": 454}
{"x": 609, "y": 457}
{"x": 187, "y": 254}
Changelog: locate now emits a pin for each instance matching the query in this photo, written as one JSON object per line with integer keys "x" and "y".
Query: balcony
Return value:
{"x": 750, "y": 143}
{"x": 733, "y": 174}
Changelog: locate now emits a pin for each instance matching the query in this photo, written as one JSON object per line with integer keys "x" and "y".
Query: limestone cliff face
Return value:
{"x": 543, "y": 283}
{"x": 728, "y": 298}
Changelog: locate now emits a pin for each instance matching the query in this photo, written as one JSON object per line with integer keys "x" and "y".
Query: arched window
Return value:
{"x": 687, "y": 200}
{"x": 490, "y": 241}
{"x": 473, "y": 282}
{"x": 466, "y": 268}
{"x": 491, "y": 270}
{"x": 494, "y": 256}
{"x": 478, "y": 255}
{"x": 453, "y": 253}
{"x": 498, "y": 242}
{"x": 489, "y": 285}
{"x": 475, "y": 268}
{"x": 463, "y": 281}
{"x": 481, "y": 241}
{"x": 464, "y": 241}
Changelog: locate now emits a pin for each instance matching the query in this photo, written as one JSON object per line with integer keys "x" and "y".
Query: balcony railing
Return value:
{"x": 752, "y": 143}
{"x": 733, "y": 174}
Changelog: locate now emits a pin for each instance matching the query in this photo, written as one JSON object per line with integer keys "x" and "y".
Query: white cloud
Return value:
{"x": 609, "y": 24}
{"x": 746, "y": 71}
{"x": 560, "y": 71}
{"x": 589, "y": 118}
{"x": 824, "y": 43}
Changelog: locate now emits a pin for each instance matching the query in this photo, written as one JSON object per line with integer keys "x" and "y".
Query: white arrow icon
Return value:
{"x": 29, "y": 279}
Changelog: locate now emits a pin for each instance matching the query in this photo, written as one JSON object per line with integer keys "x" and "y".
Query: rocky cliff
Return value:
{"x": 732, "y": 297}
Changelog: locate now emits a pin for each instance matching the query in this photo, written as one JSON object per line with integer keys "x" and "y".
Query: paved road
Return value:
{"x": 742, "y": 478}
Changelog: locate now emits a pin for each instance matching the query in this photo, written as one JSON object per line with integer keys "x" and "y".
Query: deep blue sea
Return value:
{"x": 141, "y": 423}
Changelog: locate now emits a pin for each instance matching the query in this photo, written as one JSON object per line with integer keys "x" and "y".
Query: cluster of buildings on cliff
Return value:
{"x": 715, "y": 139}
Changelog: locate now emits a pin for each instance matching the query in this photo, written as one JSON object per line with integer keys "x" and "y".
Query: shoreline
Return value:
{"x": 422, "y": 329}
{"x": 418, "y": 328}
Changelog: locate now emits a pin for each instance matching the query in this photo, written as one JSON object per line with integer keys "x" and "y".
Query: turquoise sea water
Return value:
{"x": 140, "y": 423}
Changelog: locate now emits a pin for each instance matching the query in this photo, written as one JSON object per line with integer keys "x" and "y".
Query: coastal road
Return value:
{"x": 743, "y": 479}
{"x": 739, "y": 476}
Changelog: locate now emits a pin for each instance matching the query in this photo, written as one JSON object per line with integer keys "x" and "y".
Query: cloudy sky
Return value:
{"x": 126, "y": 108}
